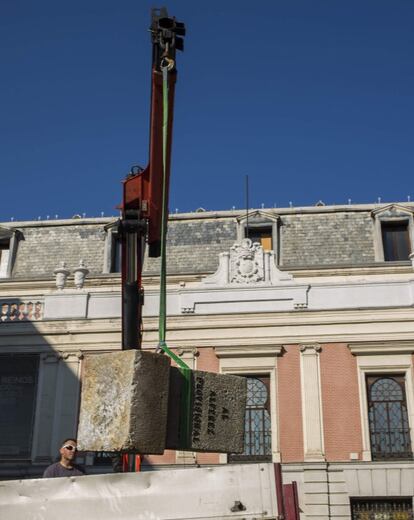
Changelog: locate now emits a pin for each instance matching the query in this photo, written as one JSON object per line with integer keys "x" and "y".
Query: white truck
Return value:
{"x": 240, "y": 491}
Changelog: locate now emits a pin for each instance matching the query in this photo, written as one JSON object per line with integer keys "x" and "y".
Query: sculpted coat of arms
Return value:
{"x": 246, "y": 262}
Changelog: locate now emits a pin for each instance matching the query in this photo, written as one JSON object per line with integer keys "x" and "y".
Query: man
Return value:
{"x": 66, "y": 466}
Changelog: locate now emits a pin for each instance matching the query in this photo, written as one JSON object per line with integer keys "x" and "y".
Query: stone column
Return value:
{"x": 67, "y": 398}
{"x": 45, "y": 408}
{"x": 311, "y": 403}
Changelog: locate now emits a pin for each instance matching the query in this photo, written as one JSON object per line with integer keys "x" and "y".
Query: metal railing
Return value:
{"x": 392, "y": 509}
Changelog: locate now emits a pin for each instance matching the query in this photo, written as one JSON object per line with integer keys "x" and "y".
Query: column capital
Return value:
{"x": 310, "y": 348}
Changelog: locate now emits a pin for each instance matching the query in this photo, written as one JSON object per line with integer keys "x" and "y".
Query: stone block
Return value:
{"x": 124, "y": 402}
{"x": 216, "y": 412}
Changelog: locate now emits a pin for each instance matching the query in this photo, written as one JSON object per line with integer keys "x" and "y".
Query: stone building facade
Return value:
{"x": 314, "y": 305}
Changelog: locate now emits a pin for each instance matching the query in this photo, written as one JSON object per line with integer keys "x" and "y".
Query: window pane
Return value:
{"x": 116, "y": 255}
{"x": 395, "y": 240}
{"x": 18, "y": 379}
{"x": 262, "y": 235}
{"x": 258, "y": 437}
{"x": 388, "y": 417}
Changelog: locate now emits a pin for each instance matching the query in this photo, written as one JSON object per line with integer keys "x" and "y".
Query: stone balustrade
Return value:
{"x": 12, "y": 310}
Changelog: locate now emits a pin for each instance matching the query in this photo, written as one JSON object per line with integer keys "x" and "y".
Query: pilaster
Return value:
{"x": 67, "y": 398}
{"x": 44, "y": 418}
{"x": 311, "y": 403}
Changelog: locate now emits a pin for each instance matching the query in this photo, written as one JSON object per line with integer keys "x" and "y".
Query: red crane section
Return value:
{"x": 141, "y": 217}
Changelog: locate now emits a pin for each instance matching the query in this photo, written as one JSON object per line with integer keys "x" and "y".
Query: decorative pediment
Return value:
{"x": 392, "y": 211}
{"x": 258, "y": 217}
{"x": 247, "y": 264}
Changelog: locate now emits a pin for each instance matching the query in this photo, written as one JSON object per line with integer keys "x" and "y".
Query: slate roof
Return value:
{"x": 312, "y": 236}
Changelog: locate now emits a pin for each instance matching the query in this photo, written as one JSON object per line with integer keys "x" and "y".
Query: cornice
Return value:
{"x": 249, "y": 351}
{"x": 382, "y": 347}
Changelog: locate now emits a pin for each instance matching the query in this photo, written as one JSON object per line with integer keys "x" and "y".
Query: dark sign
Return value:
{"x": 18, "y": 379}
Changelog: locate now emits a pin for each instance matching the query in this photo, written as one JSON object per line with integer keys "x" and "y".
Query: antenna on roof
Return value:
{"x": 379, "y": 200}
{"x": 290, "y": 204}
{"x": 247, "y": 206}
{"x": 408, "y": 198}
{"x": 349, "y": 202}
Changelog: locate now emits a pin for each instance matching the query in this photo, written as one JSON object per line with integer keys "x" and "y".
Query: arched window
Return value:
{"x": 258, "y": 435}
{"x": 388, "y": 417}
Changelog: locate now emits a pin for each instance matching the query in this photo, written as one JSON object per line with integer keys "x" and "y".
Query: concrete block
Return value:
{"x": 124, "y": 402}
{"x": 216, "y": 412}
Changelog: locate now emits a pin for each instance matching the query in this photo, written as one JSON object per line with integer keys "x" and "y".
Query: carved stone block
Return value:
{"x": 124, "y": 402}
{"x": 216, "y": 408}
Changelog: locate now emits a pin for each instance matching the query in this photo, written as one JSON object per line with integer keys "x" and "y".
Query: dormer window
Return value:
{"x": 394, "y": 233}
{"x": 4, "y": 256}
{"x": 112, "y": 256}
{"x": 260, "y": 234}
{"x": 261, "y": 227}
{"x": 395, "y": 240}
{"x": 116, "y": 256}
{"x": 8, "y": 249}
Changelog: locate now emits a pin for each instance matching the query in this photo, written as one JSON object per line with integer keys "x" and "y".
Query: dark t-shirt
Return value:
{"x": 57, "y": 470}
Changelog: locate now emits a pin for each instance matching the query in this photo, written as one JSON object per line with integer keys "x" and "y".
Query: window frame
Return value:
{"x": 241, "y": 457}
{"x": 261, "y": 220}
{"x": 383, "y": 359}
{"x": 401, "y": 381}
{"x": 389, "y": 223}
{"x": 111, "y": 239}
{"x": 393, "y": 213}
{"x": 6, "y": 266}
{"x": 255, "y": 361}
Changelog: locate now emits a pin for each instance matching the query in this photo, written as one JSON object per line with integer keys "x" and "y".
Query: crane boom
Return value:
{"x": 141, "y": 210}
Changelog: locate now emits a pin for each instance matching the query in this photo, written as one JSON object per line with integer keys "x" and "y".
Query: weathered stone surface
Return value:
{"x": 124, "y": 402}
{"x": 216, "y": 412}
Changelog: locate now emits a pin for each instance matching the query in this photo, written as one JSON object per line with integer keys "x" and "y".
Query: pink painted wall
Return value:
{"x": 290, "y": 405}
{"x": 340, "y": 402}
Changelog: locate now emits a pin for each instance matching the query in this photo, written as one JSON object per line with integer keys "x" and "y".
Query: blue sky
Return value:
{"x": 312, "y": 99}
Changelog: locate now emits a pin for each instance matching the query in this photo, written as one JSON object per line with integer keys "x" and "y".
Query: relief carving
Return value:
{"x": 247, "y": 264}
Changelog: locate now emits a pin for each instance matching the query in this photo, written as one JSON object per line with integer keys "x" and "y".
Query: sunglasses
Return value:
{"x": 69, "y": 447}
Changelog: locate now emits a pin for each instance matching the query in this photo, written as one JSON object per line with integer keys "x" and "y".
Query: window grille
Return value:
{"x": 388, "y": 418}
{"x": 257, "y": 436}
{"x": 377, "y": 509}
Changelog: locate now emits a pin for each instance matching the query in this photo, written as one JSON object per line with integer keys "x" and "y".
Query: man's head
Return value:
{"x": 68, "y": 450}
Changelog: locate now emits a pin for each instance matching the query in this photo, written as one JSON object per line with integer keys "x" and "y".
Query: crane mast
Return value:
{"x": 141, "y": 209}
